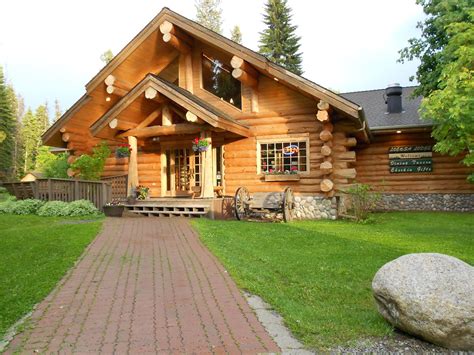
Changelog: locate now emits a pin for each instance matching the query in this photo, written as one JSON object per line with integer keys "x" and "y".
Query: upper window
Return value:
{"x": 287, "y": 156}
{"x": 217, "y": 79}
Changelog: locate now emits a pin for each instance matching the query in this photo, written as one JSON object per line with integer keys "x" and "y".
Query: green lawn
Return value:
{"x": 35, "y": 252}
{"x": 317, "y": 274}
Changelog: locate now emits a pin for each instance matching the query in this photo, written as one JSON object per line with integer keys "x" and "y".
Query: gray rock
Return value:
{"x": 428, "y": 295}
{"x": 324, "y": 215}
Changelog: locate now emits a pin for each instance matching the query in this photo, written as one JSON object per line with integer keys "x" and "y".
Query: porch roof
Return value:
{"x": 209, "y": 114}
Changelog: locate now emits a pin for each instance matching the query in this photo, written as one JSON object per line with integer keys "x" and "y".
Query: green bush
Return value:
{"x": 28, "y": 206}
{"x": 90, "y": 167}
{"x": 7, "y": 205}
{"x": 363, "y": 199}
{"x": 53, "y": 208}
{"x": 81, "y": 208}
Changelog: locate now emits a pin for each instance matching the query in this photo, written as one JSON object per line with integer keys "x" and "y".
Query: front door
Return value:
{"x": 182, "y": 171}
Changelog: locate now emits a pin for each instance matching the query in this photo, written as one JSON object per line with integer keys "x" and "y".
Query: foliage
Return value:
{"x": 36, "y": 252}
{"x": 236, "y": 34}
{"x": 142, "y": 192}
{"x": 53, "y": 209}
{"x": 6, "y": 206}
{"x": 200, "y": 144}
{"x": 57, "y": 110}
{"x": 451, "y": 105}
{"x": 107, "y": 56}
{"x": 278, "y": 42}
{"x": 52, "y": 165}
{"x": 363, "y": 200}
{"x": 318, "y": 274}
{"x": 42, "y": 116}
{"x": 430, "y": 47}
{"x": 28, "y": 206}
{"x": 3, "y": 135}
{"x": 123, "y": 150}
{"x": 81, "y": 208}
{"x": 90, "y": 167}
{"x": 7, "y": 127}
{"x": 31, "y": 133}
{"x": 209, "y": 14}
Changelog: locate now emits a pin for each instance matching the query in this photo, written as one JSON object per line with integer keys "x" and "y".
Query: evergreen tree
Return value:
{"x": 31, "y": 132}
{"x": 209, "y": 14}
{"x": 7, "y": 127}
{"x": 19, "y": 110}
{"x": 236, "y": 34}
{"x": 278, "y": 42}
{"x": 42, "y": 115}
{"x": 57, "y": 110}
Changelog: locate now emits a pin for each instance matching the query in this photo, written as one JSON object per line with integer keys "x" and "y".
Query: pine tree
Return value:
{"x": 236, "y": 34}
{"x": 18, "y": 149}
{"x": 278, "y": 42}
{"x": 42, "y": 115}
{"x": 209, "y": 14}
{"x": 107, "y": 56}
{"x": 31, "y": 131}
{"x": 7, "y": 127}
{"x": 57, "y": 110}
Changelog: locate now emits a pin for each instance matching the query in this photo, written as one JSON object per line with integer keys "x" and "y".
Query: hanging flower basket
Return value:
{"x": 123, "y": 151}
{"x": 200, "y": 145}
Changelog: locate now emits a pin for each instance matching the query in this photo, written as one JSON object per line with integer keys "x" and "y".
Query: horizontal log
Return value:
{"x": 326, "y": 167}
{"x": 347, "y": 156}
{"x": 326, "y": 150}
{"x": 167, "y": 27}
{"x": 323, "y": 105}
{"x": 325, "y": 135}
{"x": 121, "y": 124}
{"x": 345, "y": 173}
{"x": 155, "y": 131}
{"x": 177, "y": 43}
{"x": 326, "y": 185}
{"x": 114, "y": 90}
{"x": 239, "y": 63}
{"x": 245, "y": 78}
{"x": 322, "y": 116}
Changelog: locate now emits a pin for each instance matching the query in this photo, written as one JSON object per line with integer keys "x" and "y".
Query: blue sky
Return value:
{"x": 51, "y": 48}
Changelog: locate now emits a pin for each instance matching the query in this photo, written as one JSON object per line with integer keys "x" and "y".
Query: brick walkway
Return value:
{"x": 145, "y": 285}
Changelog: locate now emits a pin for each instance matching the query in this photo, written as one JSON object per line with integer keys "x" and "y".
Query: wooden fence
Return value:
{"x": 98, "y": 192}
{"x": 118, "y": 184}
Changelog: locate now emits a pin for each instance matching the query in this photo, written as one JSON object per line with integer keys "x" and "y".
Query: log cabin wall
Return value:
{"x": 448, "y": 175}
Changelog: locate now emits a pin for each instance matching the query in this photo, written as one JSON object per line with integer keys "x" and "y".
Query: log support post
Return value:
{"x": 166, "y": 116}
{"x": 207, "y": 189}
{"x": 132, "y": 166}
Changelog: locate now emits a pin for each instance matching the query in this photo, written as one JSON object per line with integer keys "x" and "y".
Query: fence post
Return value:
{"x": 105, "y": 195}
{"x": 50, "y": 190}
{"x": 76, "y": 191}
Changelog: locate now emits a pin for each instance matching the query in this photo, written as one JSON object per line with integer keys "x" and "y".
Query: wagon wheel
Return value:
{"x": 288, "y": 205}
{"x": 241, "y": 199}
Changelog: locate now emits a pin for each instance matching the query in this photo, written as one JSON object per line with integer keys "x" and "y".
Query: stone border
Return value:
{"x": 273, "y": 323}
{"x": 426, "y": 202}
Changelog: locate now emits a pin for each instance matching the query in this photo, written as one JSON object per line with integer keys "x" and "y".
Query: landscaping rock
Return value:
{"x": 428, "y": 295}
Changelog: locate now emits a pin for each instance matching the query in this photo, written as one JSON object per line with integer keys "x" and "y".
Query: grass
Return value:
{"x": 35, "y": 253}
{"x": 317, "y": 274}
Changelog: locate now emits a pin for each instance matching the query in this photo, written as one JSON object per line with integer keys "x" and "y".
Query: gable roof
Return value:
{"x": 182, "y": 97}
{"x": 375, "y": 109}
{"x": 257, "y": 60}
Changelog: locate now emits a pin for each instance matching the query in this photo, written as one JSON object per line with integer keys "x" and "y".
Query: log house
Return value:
{"x": 177, "y": 80}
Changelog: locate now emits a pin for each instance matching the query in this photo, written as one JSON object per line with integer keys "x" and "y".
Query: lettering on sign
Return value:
{"x": 410, "y": 159}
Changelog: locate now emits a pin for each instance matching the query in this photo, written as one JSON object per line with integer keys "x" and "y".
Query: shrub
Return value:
{"x": 363, "y": 200}
{"x": 90, "y": 167}
{"x": 81, "y": 208}
{"x": 28, "y": 206}
{"x": 7, "y": 205}
{"x": 53, "y": 208}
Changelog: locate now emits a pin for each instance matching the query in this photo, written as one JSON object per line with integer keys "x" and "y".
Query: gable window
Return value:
{"x": 284, "y": 156}
{"x": 217, "y": 79}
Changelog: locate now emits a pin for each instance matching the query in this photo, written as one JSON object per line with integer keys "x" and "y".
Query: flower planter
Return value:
{"x": 113, "y": 211}
{"x": 282, "y": 177}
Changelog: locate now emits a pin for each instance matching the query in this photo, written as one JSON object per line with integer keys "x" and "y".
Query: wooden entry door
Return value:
{"x": 182, "y": 171}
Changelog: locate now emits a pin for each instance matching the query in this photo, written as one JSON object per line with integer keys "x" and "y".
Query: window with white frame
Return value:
{"x": 289, "y": 156}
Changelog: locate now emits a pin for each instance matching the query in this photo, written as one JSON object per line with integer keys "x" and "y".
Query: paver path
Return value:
{"x": 145, "y": 285}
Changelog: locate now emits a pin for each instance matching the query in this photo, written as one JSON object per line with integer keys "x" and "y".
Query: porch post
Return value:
{"x": 207, "y": 162}
{"x": 132, "y": 166}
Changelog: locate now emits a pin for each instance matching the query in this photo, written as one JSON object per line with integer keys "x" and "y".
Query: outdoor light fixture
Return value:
{"x": 276, "y": 79}
{"x": 107, "y": 99}
{"x": 399, "y": 132}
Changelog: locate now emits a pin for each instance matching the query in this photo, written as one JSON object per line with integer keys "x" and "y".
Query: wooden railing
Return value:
{"x": 118, "y": 184}
{"x": 98, "y": 192}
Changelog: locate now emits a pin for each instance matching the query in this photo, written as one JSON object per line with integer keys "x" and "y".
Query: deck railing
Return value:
{"x": 118, "y": 184}
{"x": 67, "y": 190}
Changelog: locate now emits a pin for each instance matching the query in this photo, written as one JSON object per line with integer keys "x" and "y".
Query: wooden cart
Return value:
{"x": 261, "y": 203}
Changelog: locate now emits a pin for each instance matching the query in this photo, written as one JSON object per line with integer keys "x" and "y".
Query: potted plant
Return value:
{"x": 123, "y": 151}
{"x": 280, "y": 175}
{"x": 114, "y": 208}
{"x": 200, "y": 144}
{"x": 142, "y": 192}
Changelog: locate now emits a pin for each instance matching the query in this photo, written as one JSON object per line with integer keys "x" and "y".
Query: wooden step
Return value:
{"x": 167, "y": 210}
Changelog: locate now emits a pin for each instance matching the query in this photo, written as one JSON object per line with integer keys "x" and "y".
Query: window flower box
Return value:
{"x": 282, "y": 177}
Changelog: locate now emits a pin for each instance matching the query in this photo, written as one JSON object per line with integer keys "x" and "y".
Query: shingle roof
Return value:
{"x": 375, "y": 108}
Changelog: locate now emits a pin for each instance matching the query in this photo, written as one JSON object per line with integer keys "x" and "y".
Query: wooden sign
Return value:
{"x": 409, "y": 162}
{"x": 410, "y": 159}
{"x": 410, "y": 155}
{"x": 410, "y": 149}
{"x": 412, "y": 169}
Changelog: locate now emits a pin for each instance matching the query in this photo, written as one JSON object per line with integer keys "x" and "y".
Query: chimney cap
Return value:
{"x": 394, "y": 90}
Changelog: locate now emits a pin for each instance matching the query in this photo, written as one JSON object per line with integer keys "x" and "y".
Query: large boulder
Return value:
{"x": 430, "y": 296}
